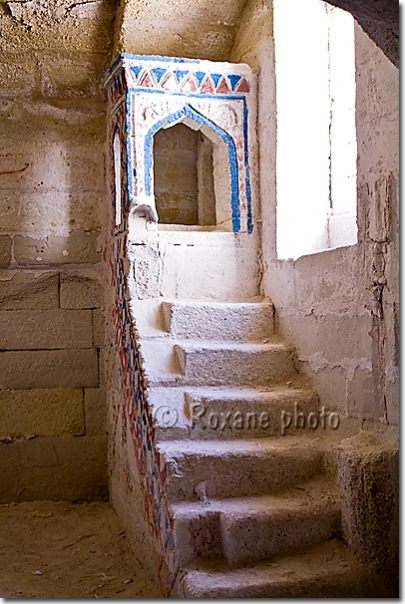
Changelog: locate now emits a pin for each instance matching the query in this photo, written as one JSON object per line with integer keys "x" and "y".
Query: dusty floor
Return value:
{"x": 62, "y": 550}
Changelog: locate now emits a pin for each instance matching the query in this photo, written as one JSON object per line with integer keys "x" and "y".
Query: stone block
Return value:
{"x": 72, "y": 75}
{"x": 144, "y": 278}
{"x": 50, "y": 412}
{"x": 45, "y": 329}
{"x": 362, "y": 396}
{"x": 193, "y": 320}
{"x": 29, "y": 290}
{"x": 102, "y": 364}
{"x": 368, "y": 482}
{"x": 43, "y": 211}
{"x": 330, "y": 384}
{"x": 17, "y": 74}
{"x": 98, "y": 328}
{"x": 40, "y": 167}
{"x": 342, "y": 339}
{"x": 72, "y": 121}
{"x": 392, "y": 396}
{"x": 95, "y": 410}
{"x": 327, "y": 280}
{"x": 80, "y": 292}
{"x": 54, "y": 468}
{"x": 5, "y": 251}
{"x": 136, "y": 38}
{"x": 49, "y": 369}
{"x": 77, "y": 247}
{"x": 86, "y": 35}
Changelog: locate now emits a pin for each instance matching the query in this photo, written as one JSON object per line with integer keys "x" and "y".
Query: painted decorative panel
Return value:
{"x": 216, "y": 98}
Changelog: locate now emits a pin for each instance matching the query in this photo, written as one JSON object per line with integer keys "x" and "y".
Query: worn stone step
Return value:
{"x": 247, "y": 529}
{"x": 229, "y": 413}
{"x": 245, "y": 322}
{"x": 324, "y": 570}
{"x": 190, "y": 363}
{"x": 233, "y": 468}
{"x": 235, "y": 364}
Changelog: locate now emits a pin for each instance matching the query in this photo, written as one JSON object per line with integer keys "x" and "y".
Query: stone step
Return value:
{"x": 324, "y": 570}
{"x": 234, "y": 468}
{"x": 235, "y": 364}
{"x": 248, "y": 529}
{"x": 189, "y": 363}
{"x": 229, "y": 413}
{"x": 245, "y": 322}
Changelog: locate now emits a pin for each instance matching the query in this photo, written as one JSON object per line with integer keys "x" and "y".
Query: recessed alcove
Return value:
{"x": 191, "y": 178}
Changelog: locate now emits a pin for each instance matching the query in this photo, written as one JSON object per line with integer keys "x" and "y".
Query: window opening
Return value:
{"x": 316, "y": 137}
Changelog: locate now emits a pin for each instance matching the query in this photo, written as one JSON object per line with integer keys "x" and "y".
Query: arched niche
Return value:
{"x": 213, "y": 195}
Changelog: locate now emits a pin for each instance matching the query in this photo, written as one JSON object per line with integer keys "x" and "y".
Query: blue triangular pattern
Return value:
{"x": 180, "y": 74}
{"x": 234, "y": 79}
{"x": 216, "y": 77}
{"x": 159, "y": 72}
{"x": 200, "y": 75}
{"x": 137, "y": 70}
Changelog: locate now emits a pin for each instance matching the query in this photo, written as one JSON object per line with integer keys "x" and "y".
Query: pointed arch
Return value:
{"x": 184, "y": 115}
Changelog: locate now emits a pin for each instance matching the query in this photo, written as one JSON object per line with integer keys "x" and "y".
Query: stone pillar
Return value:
{"x": 368, "y": 482}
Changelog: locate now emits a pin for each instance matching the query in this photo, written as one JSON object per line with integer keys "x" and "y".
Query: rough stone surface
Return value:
{"x": 5, "y": 251}
{"x": 49, "y": 369}
{"x": 244, "y": 530}
{"x": 368, "y": 481}
{"x": 248, "y": 322}
{"x": 326, "y": 570}
{"x": 78, "y": 292}
{"x": 29, "y": 290}
{"x": 54, "y": 468}
{"x": 98, "y": 318}
{"x": 51, "y": 412}
{"x": 185, "y": 29}
{"x": 95, "y": 411}
{"x": 45, "y": 329}
{"x": 78, "y": 247}
{"x": 338, "y": 307}
{"x": 237, "y": 468}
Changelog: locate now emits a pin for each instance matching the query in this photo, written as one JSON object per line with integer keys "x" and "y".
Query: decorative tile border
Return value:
{"x": 214, "y": 97}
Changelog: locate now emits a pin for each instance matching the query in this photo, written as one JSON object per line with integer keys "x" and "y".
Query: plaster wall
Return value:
{"x": 52, "y": 199}
{"x": 338, "y": 307}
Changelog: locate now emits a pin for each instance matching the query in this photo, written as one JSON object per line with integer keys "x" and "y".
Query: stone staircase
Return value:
{"x": 256, "y": 513}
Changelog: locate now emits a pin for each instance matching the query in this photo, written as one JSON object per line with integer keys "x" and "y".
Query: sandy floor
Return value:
{"x": 61, "y": 550}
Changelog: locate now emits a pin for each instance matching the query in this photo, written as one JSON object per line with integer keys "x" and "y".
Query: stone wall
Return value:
{"x": 52, "y": 394}
{"x": 52, "y": 206}
{"x": 338, "y": 307}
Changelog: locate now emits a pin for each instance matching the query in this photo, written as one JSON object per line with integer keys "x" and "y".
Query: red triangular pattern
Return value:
{"x": 190, "y": 84}
{"x": 223, "y": 87}
{"x": 243, "y": 86}
{"x": 208, "y": 85}
{"x": 146, "y": 82}
{"x": 170, "y": 83}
